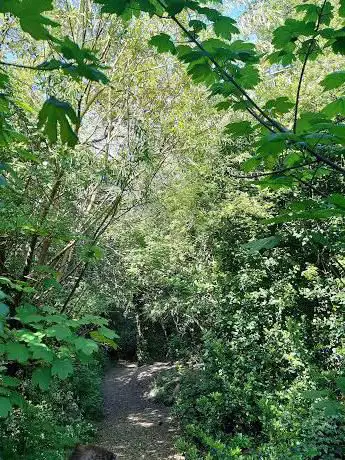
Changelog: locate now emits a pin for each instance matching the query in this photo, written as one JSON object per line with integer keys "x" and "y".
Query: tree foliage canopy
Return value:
{"x": 178, "y": 176}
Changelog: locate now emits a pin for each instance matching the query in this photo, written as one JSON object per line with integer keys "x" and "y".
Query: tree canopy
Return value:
{"x": 172, "y": 187}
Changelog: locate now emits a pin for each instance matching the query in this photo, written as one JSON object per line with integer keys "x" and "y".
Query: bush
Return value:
{"x": 165, "y": 386}
{"x": 229, "y": 411}
{"x": 54, "y": 422}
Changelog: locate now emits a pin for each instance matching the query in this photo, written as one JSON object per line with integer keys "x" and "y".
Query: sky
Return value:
{"x": 237, "y": 10}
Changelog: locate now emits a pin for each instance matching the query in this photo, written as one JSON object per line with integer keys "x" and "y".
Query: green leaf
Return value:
{"x": 163, "y": 43}
{"x": 93, "y": 319}
{"x": 321, "y": 213}
{"x": 83, "y": 63}
{"x": 62, "y": 368}
{"x": 28, "y": 314}
{"x": 17, "y": 399}
{"x": 330, "y": 407}
{"x": 225, "y": 27}
{"x": 197, "y": 25}
{"x": 289, "y": 33}
{"x": 4, "y": 310}
{"x": 279, "y": 105}
{"x": 223, "y": 105}
{"x": 56, "y": 319}
{"x": 98, "y": 337}
{"x": 87, "y": 346}
{"x": 243, "y": 51}
{"x": 57, "y": 116}
{"x": 41, "y": 352}
{"x": 5, "y": 407}
{"x": 52, "y": 283}
{"x": 175, "y": 6}
{"x": 313, "y": 395}
{"x": 92, "y": 253}
{"x": 118, "y": 7}
{"x": 11, "y": 382}
{"x": 52, "y": 64}
{"x": 333, "y": 80}
{"x": 272, "y": 144}
{"x": 242, "y": 128}
{"x": 4, "y": 80}
{"x": 202, "y": 73}
{"x": 41, "y": 377}
{"x": 264, "y": 243}
{"x": 293, "y": 159}
{"x": 91, "y": 72}
{"x": 83, "y": 358}
{"x": 109, "y": 333}
{"x": 17, "y": 352}
{"x": 336, "y": 107}
{"x": 338, "y": 200}
{"x": 308, "y": 120}
{"x": 150, "y": 7}
{"x": 327, "y": 13}
{"x": 283, "y": 57}
{"x": 248, "y": 77}
{"x": 338, "y": 46}
{"x": 340, "y": 381}
{"x": 210, "y": 13}
{"x": 29, "y": 13}
{"x": 311, "y": 12}
{"x": 342, "y": 8}
{"x": 251, "y": 164}
{"x": 59, "y": 331}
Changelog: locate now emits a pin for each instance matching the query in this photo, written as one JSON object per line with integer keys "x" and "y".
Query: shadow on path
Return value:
{"x": 135, "y": 427}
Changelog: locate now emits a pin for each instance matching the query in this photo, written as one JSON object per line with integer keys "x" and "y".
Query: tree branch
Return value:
{"x": 267, "y": 120}
{"x": 307, "y": 55}
{"x": 29, "y": 67}
{"x": 271, "y": 173}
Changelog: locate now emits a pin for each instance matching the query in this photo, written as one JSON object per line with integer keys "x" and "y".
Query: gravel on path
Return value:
{"x": 135, "y": 426}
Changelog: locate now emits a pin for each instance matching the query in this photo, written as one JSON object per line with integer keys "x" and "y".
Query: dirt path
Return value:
{"x": 134, "y": 426}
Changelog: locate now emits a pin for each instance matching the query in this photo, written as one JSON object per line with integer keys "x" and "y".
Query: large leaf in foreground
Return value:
{"x": 264, "y": 243}
{"x": 333, "y": 80}
{"x": 56, "y": 117}
{"x": 62, "y": 368}
{"x": 5, "y": 406}
{"x": 29, "y": 13}
{"x": 42, "y": 377}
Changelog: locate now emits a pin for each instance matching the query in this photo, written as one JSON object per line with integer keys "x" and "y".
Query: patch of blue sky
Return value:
{"x": 236, "y": 11}
{"x": 236, "y": 8}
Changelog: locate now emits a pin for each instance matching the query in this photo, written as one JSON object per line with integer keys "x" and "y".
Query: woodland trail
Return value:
{"x": 134, "y": 426}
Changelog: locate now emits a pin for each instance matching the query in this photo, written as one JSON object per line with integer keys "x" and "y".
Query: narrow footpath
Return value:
{"x": 134, "y": 426}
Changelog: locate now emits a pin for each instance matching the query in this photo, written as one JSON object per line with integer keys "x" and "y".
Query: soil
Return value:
{"x": 134, "y": 425}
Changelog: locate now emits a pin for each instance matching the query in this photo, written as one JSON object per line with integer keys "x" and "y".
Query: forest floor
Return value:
{"x": 135, "y": 426}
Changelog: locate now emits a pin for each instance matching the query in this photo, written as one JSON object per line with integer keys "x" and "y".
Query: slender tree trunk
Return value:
{"x": 75, "y": 287}
{"x": 33, "y": 243}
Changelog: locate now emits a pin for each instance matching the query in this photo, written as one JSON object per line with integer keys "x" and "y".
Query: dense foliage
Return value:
{"x": 177, "y": 176}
